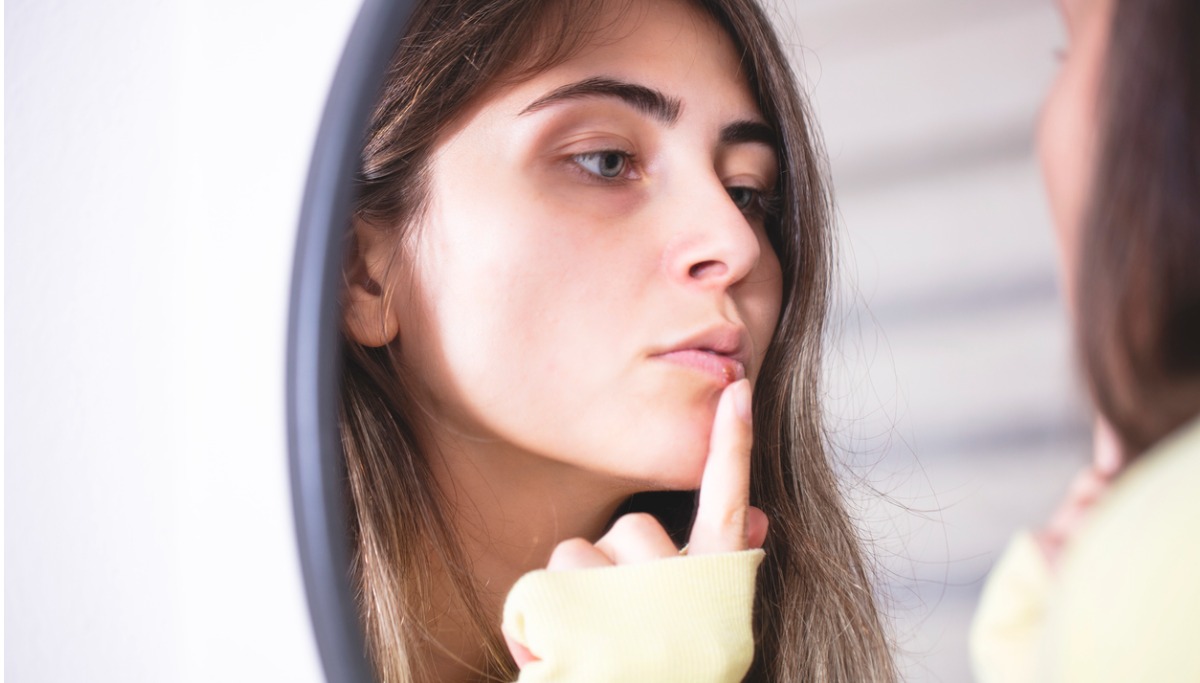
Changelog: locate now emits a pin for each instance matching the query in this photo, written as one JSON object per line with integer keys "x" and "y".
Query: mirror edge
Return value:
{"x": 316, "y": 466}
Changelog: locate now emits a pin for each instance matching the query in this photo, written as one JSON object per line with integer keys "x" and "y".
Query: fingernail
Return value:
{"x": 741, "y": 399}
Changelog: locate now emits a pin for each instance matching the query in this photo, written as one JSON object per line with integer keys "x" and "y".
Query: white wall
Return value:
{"x": 156, "y": 153}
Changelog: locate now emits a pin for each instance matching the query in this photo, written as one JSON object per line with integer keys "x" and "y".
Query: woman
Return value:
{"x": 1108, "y": 590}
{"x": 580, "y": 225}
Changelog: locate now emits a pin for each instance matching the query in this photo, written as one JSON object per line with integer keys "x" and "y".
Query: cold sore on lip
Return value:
{"x": 724, "y": 369}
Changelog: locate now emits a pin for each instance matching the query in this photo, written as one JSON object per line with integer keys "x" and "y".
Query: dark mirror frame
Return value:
{"x": 314, "y": 344}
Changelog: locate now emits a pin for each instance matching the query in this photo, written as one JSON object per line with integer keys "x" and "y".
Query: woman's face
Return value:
{"x": 593, "y": 268}
{"x": 1067, "y": 136}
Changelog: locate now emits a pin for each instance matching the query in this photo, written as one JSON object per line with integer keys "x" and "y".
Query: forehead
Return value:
{"x": 671, "y": 37}
{"x": 668, "y": 45}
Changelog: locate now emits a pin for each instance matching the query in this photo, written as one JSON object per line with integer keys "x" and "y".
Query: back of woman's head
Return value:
{"x": 1139, "y": 277}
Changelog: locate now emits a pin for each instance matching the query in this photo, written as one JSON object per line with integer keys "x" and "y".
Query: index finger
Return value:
{"x": 721, "y": 517}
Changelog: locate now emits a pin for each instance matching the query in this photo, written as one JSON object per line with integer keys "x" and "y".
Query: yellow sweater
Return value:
{"x": 681, "y": 619}
{"x": 1125, "y": 605}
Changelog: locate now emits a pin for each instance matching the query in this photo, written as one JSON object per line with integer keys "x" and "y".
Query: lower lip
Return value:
{"x": 721, "y": 368}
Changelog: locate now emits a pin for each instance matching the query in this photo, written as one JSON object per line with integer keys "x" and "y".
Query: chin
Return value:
{"x": 673, "y": 458}
{"x": 659, "y": 444}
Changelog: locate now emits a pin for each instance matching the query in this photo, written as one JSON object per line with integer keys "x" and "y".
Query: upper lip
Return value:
{"x": 724, "y": 339}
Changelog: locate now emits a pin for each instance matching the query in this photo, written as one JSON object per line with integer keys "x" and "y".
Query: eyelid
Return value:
{"x": 749, "y": 164}
{"x": 765, "y": 203}
{"x": 751, "y": 181}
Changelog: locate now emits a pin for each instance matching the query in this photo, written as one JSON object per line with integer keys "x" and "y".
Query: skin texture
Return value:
{"x": 1067, "y": 132}
{"x": 1067, "y": 140}
{"x": 538, "y": 304}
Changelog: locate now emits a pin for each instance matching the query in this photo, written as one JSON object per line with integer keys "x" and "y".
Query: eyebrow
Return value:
{"x": 748, "y": 131}
{"x": 646, "y": 100}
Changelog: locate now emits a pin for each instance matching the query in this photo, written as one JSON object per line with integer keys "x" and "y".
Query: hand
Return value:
{"x": 725, "y": 520}
{"x": 1086, "y": 489}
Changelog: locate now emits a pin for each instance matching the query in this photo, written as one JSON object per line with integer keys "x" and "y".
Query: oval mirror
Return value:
{"x": 317, "y": 469}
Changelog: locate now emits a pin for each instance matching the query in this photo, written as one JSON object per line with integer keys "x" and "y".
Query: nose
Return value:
{"x": 713, "y": 244}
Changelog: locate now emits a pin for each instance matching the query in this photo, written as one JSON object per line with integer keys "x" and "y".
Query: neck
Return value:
{"x": 509, "y": 509}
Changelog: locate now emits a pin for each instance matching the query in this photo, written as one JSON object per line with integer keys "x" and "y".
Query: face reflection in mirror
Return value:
{"x": 581, "y": 227}
{"x": 590, "y": 270}
{"x": 546, "y": 297}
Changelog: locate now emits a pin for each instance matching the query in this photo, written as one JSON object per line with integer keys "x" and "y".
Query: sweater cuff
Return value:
{"x": 685, "y": 619}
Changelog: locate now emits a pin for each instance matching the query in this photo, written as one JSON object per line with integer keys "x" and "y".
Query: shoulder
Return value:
{"x": 1130, "y": 602}
{"x": 1152, "y": 509}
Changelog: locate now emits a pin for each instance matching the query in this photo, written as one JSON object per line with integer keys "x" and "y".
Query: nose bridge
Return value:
{"x": 712, "y": 241}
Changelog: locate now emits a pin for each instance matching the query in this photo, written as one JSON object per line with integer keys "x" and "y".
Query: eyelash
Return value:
{"x": 761, "y": 205}
{"x": 599, "y": 154}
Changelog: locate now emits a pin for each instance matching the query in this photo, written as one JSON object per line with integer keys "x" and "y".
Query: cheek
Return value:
{"x": 1066, "y": 147}
{"x": 763, "y": 303}
{"x": 1058, "y": 152}
{"x": 511, "y": 305}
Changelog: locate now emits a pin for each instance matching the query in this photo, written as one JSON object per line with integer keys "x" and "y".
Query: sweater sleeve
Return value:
{"x": 1006, "y": 634}
{"x": 685, "y": 619}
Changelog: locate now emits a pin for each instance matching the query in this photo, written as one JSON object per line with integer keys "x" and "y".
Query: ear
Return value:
{"x": 367, "y": 314}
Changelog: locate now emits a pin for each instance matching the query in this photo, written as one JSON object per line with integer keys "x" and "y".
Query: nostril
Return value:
{"x": 707, "y": 269}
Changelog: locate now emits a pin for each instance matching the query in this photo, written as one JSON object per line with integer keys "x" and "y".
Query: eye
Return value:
{"x": 743, "y": 197}
{"x": 606, "y": 164}
{"x": 755, "y": 203}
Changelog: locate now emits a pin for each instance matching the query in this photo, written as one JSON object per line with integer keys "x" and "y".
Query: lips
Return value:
{"x": 718, "y": 352}
{"x": 722, "y": 368}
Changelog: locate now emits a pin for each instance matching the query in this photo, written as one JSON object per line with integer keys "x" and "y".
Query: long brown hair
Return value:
{"x": 815, "y": 617}
{"x": 1139, "y": 276}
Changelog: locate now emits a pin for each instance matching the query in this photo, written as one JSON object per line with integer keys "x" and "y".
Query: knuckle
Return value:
{"x": 725, "y": 520}
{"x": 729, "y": 527}
{"x": 735, "y": 520}
{"x": 573, "y": 544}
{"x": 636, "y": 524}
{"x": 570, "y": 552}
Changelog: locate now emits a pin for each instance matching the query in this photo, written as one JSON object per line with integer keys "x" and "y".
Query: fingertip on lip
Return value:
{"x": 741, "y": 398}
{"x": 735, "y": 373}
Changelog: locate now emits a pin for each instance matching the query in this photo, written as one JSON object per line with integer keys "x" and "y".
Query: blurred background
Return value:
{"x": 155, "y": 159}
{"x": 156, "y": 152}
{"x": 954, "y": 400}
